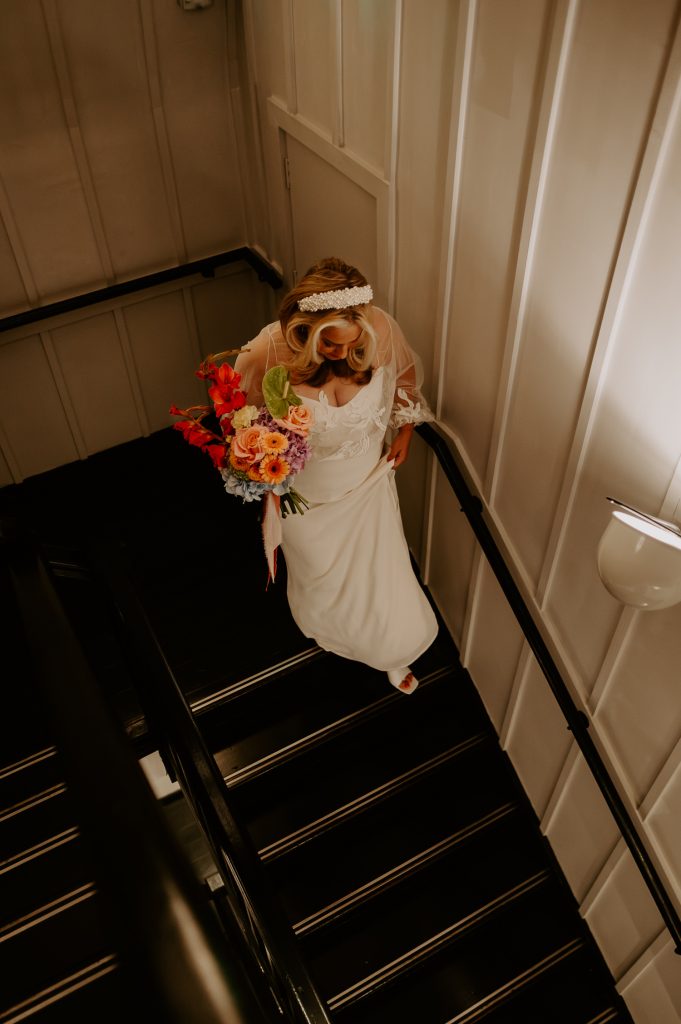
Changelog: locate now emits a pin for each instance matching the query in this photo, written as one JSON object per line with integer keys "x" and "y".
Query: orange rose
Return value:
{"x": 246, "y": 443}
{"x": 298, "y": 421}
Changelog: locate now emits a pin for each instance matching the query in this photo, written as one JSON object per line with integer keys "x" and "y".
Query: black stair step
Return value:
{"x": 469, "y": 877}
{"x": 264, "y": 721}
{"x": 573, "y": 989}
{"x": 472, "y": 964}
{"x": 404, "y": 733}
{"x": 56, "y": 940}
{"x": 29, "y": 775}
{"x": 438, "y": 804}
{"x": 98, "y": 992}
{"x": 39, "y": 879}
{"x": 45, "y": 815}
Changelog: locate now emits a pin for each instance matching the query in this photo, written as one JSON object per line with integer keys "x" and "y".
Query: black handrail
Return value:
{"x": 205, "y": 267}
{"x": 186, "y": 969}
{"x": 263, "y": 925}
{"x": 577, "y": 721}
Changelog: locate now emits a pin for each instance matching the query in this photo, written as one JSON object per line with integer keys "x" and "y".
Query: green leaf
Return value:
{"x": 278, "y": 393}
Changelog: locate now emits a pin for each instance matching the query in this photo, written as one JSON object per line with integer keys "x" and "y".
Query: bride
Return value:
{"x": 351, "y": 586}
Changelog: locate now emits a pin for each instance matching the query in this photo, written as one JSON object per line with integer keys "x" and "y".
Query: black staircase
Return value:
{"x": 392, "y": 829}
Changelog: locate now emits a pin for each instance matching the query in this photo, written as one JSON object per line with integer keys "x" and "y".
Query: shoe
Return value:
{"x": 399, "y": 676}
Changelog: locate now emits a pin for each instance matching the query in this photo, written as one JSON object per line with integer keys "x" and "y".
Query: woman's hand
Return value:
{"x": 399, "y": 449}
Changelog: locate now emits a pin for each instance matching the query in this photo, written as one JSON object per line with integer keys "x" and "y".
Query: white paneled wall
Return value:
{"x": 106, "y": 374}
{"x": 127, "y": 145}
{"x": 518, "y": 164}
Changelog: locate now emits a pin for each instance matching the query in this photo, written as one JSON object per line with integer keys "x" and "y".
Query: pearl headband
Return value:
{"x": 341, "y": 299}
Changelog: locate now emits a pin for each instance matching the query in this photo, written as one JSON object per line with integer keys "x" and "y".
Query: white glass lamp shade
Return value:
{"x": 639, "y": 560}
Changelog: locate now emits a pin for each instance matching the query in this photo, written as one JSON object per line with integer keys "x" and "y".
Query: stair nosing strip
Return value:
{"x": 39, "y": 850}
{"x": 62, "y": 988}
{"x": 227, "y": 693}
{"x": 400, "y": 872}
{"x": 361, "y": 989}
{"x": 523, "y": 980}
{"x": 373, "y": 796}
{"x": 33, "y": 801}
{"x": 611, "y": 1013}
{"x": 27, "y": 762}
{"x": 326, "y": 732}
{"x": 47, "y": 910}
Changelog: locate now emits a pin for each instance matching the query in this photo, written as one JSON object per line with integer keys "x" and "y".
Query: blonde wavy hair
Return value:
{"x": 302, "y": 331}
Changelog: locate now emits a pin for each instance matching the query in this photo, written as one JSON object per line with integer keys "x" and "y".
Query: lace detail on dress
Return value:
{"x": 342, "y": 432}
{"x": 407, "y": 411}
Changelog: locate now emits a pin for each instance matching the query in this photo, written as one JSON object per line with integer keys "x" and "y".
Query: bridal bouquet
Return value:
{"x": 258, "y": 451}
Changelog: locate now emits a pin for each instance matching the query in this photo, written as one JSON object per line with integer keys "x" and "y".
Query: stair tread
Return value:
{"x": 576, "y": 990}
{"x": 39, "y": 956}
{"x": 376, "y": 750}
{"x": 35, "y": 824}
{"x": 510, "y": 942}
{"x": 467, "y": 878}
{"x": 325, "y": 868}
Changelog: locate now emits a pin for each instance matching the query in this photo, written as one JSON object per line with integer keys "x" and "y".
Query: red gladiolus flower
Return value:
{"x": 217, "y": 453}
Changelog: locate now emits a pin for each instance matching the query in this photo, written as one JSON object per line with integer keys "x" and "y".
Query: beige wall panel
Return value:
{"x": 653, "y": 994}
{"x": 37, "y": 163}
{"x": 162, "y": 350}
{"x": 108, "y": 72}
{"x": 580, "y": 828}
{"x": 493, "y": 664}
{"x": 640, "y": 712}
{"x": 508, "y": 52}
{"x": 664, "y": 824}
{"x": 230, "y": 310}
{"x": 198, "y": 115}
{"x": 315, "y": 61}
{"x": 412, "y": 487}
{"x": 426, "y": 81}
{"x": 267, "y": 30}
{"x": 537, "y": 739}
{"x": 5, "y": 473}
{"x": 12, "y": 292}
{"x": 332, "y": 216}
{"x": 267, "y": 20}
{"x": 636, "y": 440}
{"x": 92, "y": 362}
{"x": 508, "y": 57}
{"x": 622, "y": 915}
{"x": 612, "y": 78}
{"x": 453, "y": 546}
{"x": 31, "y": 411}
{"x": 367, "y": 72}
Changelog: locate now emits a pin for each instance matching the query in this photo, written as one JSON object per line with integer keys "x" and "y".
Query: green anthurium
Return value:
{"x": 278, "y": 393}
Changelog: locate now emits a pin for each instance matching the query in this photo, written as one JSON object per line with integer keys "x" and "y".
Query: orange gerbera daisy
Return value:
{"x": 241, "y": 464}
{"x": 274, "y": 443}
{"x": 274, "y": 469}
{"x": 254, "y": 474}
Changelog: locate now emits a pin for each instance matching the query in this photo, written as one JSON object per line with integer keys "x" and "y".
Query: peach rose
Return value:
{"x": 246, "y": 443}
{"x": 298, "y": 421}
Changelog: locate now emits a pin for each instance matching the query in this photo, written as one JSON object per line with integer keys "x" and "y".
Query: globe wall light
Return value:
{"x": 639, "y": 558}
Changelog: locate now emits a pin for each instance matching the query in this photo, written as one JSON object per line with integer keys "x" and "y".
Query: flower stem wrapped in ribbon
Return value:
{"x": 259, "y": 450}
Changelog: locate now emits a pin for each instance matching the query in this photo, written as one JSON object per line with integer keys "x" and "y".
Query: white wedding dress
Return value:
{"x": 351, "y": 586}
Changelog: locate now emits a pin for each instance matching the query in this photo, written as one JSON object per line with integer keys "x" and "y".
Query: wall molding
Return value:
{"x": 56, "y": 43}
{"x": 161, "y": 129}
{"x": 560, "y": 45}
{"x": 52, "y": 357}
{"x": 461, "y": 82}
{"x": 637, "y": 218}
